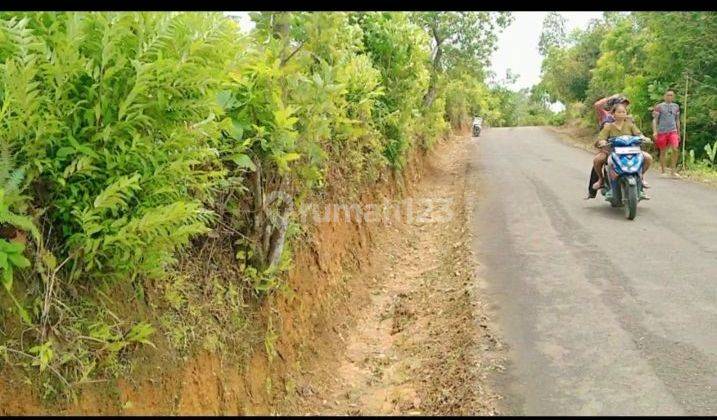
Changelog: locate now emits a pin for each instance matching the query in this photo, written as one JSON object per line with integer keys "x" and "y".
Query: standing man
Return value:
{"x": 665, "y": 129}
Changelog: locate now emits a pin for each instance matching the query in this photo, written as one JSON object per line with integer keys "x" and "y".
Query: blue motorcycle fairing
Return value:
{"x": 626, "y": 141}
{"x": 627, "y": 164}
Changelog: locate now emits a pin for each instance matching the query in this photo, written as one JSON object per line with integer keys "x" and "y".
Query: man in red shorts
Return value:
{"x": 666, "y": 128}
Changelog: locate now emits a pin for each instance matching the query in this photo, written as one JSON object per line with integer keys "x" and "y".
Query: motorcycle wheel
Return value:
{"x": 617, "y": 195}
{"x": 606, "y": 188}
{"x": 631, "y": 198}
{"x": 616, "y": 200}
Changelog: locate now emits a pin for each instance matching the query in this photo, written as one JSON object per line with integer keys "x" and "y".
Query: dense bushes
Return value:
{"x": 124, "y": 136}
{"x": 399, "y": 50}
{"x": 115, "y": 133}
{"x": 522, "y": 107}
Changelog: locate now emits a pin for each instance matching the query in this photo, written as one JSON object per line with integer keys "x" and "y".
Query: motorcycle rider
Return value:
{"x": 477, "y": 122}
{"x": 603, "y": 109}
{"x": 623, "y": 125}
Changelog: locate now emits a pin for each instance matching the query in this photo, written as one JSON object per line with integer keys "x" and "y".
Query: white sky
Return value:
{"x": 517, "y": 44}
{"x": 245, "y": 22}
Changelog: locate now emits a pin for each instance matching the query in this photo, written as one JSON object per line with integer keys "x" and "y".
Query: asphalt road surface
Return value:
{"x": 601, "y": 315}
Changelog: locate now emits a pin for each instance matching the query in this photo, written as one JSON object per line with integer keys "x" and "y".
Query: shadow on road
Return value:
{"x": 603, "y": 207}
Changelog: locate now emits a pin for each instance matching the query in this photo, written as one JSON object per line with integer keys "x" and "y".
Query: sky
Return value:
{"x": 244, "y": 21}
{"x": 517, "y": 44}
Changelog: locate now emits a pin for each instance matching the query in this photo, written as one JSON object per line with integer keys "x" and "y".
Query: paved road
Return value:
{"x": 601, "y": 315}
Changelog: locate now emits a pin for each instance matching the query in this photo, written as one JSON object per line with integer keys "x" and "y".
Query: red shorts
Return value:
{"x": 669, "y": 139}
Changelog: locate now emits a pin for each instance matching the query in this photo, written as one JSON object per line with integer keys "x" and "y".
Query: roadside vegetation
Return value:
{"x": 639, "y": 54}
{"x": 144, "y": 158}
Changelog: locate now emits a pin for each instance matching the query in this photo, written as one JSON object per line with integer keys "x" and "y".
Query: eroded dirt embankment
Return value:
{"x": 381, "y": 318}
{"x": 420, "y": 344}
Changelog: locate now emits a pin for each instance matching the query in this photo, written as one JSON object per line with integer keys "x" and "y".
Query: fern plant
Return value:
{"x": 114, "y": 114}
{"x": 11, "y": 259}
{"x": 12, "y": 202}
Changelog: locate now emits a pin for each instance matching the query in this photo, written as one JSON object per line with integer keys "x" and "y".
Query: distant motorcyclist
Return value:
{"x": 477, "y": 123}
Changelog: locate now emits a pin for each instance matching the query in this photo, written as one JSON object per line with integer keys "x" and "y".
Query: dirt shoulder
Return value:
{"x": 419, "y": 343}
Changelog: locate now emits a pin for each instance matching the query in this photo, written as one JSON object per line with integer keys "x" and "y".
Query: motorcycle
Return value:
{"x": 476, "y": 130}
{"x": 624, "y": 173}
{"x": 476, "y": 127}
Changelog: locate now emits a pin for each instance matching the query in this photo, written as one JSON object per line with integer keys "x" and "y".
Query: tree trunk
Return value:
{"x": 259, "y": 219}
{"x": 432, "y": 88}
{"x": 276, "y": 247}
{"x": 430, "y": 95}
{"x": 280, "y": 28}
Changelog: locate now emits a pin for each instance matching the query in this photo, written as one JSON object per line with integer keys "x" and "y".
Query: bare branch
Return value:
{"x": 285, "y": 60}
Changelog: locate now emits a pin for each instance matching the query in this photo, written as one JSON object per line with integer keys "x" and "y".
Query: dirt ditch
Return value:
{"x": 420, "y": 345}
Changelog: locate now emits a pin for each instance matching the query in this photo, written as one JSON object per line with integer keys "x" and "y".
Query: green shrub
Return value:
{"x": 399, "y": 50}
{"x": 558, "y": 119}
{"x": 113, "y": 115}
{"x": 125, "y": 136}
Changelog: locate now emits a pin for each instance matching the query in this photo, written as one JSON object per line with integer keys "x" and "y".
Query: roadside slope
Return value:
{"x": 421, "y": 344}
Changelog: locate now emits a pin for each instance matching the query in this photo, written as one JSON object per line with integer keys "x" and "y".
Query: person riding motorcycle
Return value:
{"x": 622, "y": 125}
{"x": 476, "y": 128}
{"x": 603, "y": 108}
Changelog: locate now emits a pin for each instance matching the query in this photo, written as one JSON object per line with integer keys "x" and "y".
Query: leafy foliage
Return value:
{"x": 399, "y": 50}
{"x": 113, "y": 115}
{"x": 553, "y": 34}
{"x": 127, "y": 137}
{"x": 459, "y": 39}
{"x": 642, "y": 55}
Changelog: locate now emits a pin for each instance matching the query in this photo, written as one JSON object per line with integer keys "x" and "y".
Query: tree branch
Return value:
{"x": 285, "y": 60}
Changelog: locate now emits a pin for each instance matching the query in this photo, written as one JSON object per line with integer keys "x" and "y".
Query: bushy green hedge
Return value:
{"x": 111, "y": 117}
{"x": 124, "y": 136}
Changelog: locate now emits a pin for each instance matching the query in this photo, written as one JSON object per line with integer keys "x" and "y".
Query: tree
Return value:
{"x": 566, "y": 71}
{"x": 459, "y": 37}
{"x": 553, "y": 34}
